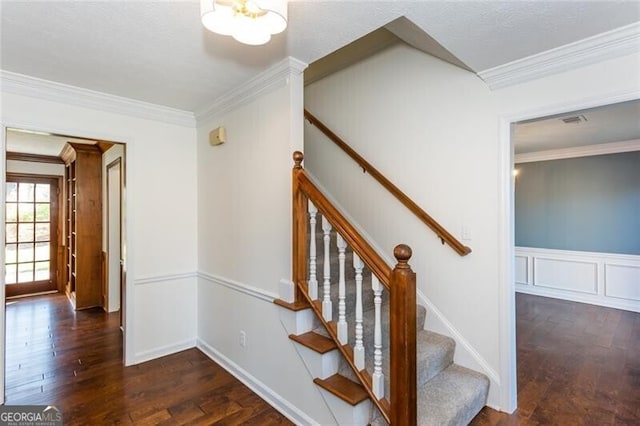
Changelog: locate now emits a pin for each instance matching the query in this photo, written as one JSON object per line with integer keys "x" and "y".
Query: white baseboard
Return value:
{"x": 164, "y": 351}
{"x": 276, "y": 401}
{"x": 604, "y": 279}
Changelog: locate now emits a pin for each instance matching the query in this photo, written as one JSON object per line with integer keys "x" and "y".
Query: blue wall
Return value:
{"x": 581, "y": 204}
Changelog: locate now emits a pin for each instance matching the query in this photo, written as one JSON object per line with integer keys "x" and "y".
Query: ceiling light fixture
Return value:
{"x": 248, "y": 21}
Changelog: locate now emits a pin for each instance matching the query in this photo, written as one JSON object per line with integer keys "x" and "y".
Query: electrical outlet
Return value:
{"x": 243, "y": 338}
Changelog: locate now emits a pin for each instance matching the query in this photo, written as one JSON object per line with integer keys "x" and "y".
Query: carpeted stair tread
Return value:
{"x": 454, "y": 397}
{"x": 434, "y": 353}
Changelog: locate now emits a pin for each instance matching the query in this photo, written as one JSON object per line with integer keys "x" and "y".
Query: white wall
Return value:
{"x": 244, "y": 247}
{"x": 435, "y": 131}
{"x": 160, "y": 215}
{"x": 30, "y": 167}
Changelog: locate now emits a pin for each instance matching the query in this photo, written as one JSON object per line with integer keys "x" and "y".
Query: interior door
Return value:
{"x": 31, "y": 234}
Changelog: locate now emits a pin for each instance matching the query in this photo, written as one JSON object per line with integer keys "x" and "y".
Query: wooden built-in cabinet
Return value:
{"x": 83, "y": 226}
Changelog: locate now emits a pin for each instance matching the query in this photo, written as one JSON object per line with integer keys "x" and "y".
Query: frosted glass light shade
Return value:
{"x": 248, "y": 21}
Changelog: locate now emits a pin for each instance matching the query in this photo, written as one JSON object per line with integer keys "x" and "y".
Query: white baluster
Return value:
{"x": 358, "y": 350}
{"x": 326, "y": 278}
{"x": 378, "y": 377}
{"x": 313, "y": 280}
{"x": 343, "y": 334}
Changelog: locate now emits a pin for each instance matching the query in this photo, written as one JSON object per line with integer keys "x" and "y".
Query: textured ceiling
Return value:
{"x": 157, "y": 51}
{"x": 611, "y": 123}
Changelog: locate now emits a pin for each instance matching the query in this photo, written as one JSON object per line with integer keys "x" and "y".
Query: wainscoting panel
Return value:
{"x": 522, "y": 270}
{"x": 565, "y": 274}
{"x": 622, "y": 281}
{"x": 603, "y": 279}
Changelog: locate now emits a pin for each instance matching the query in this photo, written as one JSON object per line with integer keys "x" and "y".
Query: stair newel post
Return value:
{"x": 358, "y": 349}
{"x": 313, "y": 280}
{"x": 403, "y": 339}
{"x": 327, "y": 306}
{"x": 378, "y": 376}
{"x": 299, "y": 232}
{"x": 342, "y": 292}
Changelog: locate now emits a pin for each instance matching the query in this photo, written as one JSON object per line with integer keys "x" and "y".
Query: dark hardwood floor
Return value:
{"x": 578, "y": 364}
{"x": 73, "y": 360}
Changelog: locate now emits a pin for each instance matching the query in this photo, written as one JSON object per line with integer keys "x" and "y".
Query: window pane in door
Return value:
{"x": 11, "y": 253}
{"x": 25, "y": 191}
{"x": 12, "y": 191}
{"x": 25, "y": 232}
{"x": 42, "y": 212}
{"x": 25, "y": 272}
{"x": 25, "y": 212}
{"x": 42, "y": 271}
{"x": 10, "y": 277}
{"x": 12, "y": 212}
{"x": 25, "y": 252}
{"x": 42, "y": 192}
{"x": 42, "y": 232}
{"x": 11, "y": 233}
{"x": 42, "y": 251}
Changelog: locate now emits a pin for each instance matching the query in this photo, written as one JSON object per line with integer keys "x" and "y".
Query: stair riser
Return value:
{"x": 298, "y": 322}
{"x": 345, "y": 413}
{"x": 319, "y": 365}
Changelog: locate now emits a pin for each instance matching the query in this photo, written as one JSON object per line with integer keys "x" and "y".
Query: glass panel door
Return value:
{"x": 31, "y": 235}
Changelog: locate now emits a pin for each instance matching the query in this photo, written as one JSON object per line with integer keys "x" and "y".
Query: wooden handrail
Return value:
{"x": 400, "y": 283}
{"x": 442, "y": 233}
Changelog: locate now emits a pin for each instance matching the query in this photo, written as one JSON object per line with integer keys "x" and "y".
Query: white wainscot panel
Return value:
{"x": 622, "y": 281}
{"x": 522, "y": 269}
{"x": 564, "y": 274}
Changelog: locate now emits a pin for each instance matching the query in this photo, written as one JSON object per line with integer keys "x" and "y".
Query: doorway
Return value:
{"x": 30, "y": 153}
{"x": 507, "y": 230}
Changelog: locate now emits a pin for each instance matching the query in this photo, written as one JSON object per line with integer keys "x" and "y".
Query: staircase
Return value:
{"x": 342, "y": 326}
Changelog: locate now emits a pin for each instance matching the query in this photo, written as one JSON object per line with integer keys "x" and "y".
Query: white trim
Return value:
{"x": 506, "y": 293}
{"x": 506, "y": 229}
{"x": 25, "y": 85}
{"x": 263, "y": 83}
{"x": 276, "y": 401}
{"x": 163, "y": 278}
{"x": 611, "y": 44}
{"x": 581, "y": 288}
{"x": 256, "y": 292}
{"x": 579, "y": 151}
{"x": 164, "y": 351}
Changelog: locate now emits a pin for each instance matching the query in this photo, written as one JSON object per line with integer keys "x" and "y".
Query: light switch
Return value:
{"x": 466, "y": 232}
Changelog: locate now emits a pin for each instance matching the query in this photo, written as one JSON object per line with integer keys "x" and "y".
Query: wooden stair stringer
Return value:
{"x": 347, "y": 354}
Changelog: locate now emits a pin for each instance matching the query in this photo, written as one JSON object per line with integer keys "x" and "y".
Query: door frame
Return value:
{"x": 57, "y": 253}
{"x": 128, "y": 254}
{"x": 117, "y": 162}
{"x": 506, "y": 230}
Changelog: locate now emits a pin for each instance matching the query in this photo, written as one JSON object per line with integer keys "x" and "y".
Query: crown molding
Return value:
{"x": 25, "y": 85}
{"x": 578, "y": 151}
{"x": 265, "y": 82}
{"x": 611, "y": 44}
